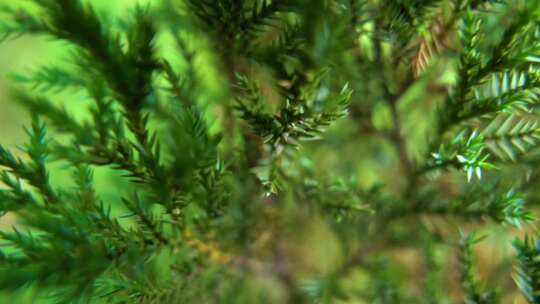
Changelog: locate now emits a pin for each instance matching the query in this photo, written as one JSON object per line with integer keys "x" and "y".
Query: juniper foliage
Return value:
{"x": 275, "y": 151}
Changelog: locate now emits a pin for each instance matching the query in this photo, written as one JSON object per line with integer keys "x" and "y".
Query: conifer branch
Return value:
{"x": 473, "y": 292}
{"x": 188, "y": 207}
{"x": 527, "y": 272}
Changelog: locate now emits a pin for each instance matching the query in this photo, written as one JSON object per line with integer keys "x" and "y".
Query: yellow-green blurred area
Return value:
{"x": 24, "y": 55}
{"x": 19, "y": 56}
{"x": 311, "y": 245}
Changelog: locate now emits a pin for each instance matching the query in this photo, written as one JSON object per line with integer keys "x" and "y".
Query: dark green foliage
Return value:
{"x": 528, "y": 268}
{"x": 473, "y": 292}
{"x": 274, "y": 151}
